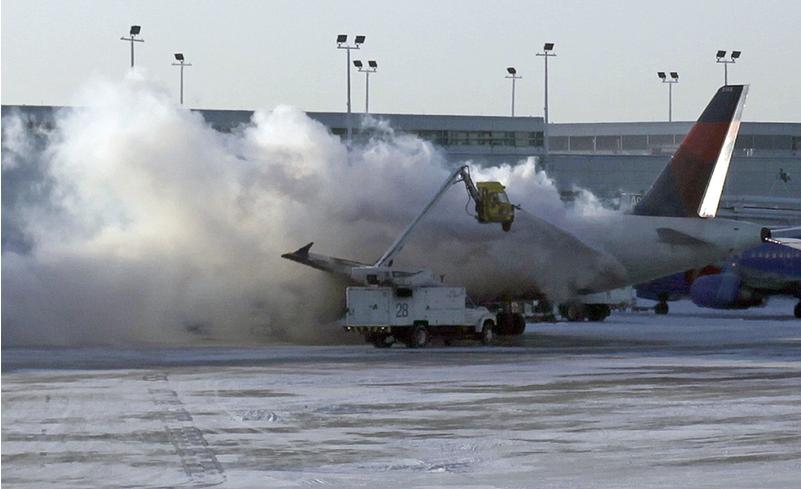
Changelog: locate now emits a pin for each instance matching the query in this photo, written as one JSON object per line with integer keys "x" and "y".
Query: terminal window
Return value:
{"x": 607, "y": 143}
{"x": 660, "y": 140}
{"x": 558, "y": 143}
{"x": 634, "y": 142}
{"x": 581, "y": 143}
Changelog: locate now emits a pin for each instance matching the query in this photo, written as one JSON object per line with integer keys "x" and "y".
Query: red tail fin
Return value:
{"x": 691, "y": 184}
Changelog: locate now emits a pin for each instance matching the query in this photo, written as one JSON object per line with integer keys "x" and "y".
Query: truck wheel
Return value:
{"x": 487, "y": 333}
{"x": 518, "y": 324}
{"x": 506, "y": 226}
{"x": 504, "y": 323}
{"x": 661, "y": 308}
{"x": 597, "y": 312}
{"x": 380, "y": 341}
{"x": 572, "y": 312}
{"x": 419, "y": 337}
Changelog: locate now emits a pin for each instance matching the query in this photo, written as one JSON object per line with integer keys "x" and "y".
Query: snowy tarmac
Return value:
{"x": 699, "y": 398}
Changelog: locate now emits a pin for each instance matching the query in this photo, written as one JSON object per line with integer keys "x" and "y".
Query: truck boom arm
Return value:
{"x": 397, "y": 246}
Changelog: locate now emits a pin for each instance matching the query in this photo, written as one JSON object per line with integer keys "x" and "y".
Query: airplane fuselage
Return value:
{"x": 648, "y": 247}
{"x": 770, "y": 268}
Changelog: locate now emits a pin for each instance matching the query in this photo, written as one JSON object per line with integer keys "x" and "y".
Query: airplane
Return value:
{"x": 672, "y": 228}
{"x": 745, "y": 280}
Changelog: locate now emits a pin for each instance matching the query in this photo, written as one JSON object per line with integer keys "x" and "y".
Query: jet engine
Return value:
{"x": 723, "y": 291}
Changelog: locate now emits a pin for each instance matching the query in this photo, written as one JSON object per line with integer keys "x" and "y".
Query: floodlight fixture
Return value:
{"x": 134, "y": 31}
{"x": 514, "y": 77}
{"x": 720, "y": 59}
{"x": 546, "y": 53}
{"x": 182, "y": 63}
{"x": 373, "y": 67}
{"x": 342, "y": 43}
{"x": 674, "y": 78}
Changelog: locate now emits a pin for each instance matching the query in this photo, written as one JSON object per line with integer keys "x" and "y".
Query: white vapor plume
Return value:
{"x": 155, "y": 228}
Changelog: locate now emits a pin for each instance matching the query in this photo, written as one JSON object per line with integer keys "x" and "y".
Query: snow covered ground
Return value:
{"x": 697, "y": 398}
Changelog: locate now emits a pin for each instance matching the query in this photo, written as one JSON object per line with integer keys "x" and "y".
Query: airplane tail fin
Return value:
{"x": 692, "y": 182}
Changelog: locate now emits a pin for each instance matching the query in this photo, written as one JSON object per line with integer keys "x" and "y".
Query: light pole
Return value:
{"x": 513, "y": 75}
{"x": 133, "y": 32}
{"x": 342, "y": 43}
{"x": 181, "y": 62}
{"x": 546, "y": 53}
{"x": 720, "y": 59}
{"x": 674, "y": 78}
{"x": 373, "y": 67}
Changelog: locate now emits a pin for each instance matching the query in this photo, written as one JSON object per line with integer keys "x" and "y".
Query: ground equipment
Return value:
{"x": 408, "y": 305}
{"x": 491, "y": 205}
{"x": 415, "y": 314}
{"x": 392, "y": 304}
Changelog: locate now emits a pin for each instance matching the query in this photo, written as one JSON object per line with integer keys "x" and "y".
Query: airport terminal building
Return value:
{"x": 617, "y": 161}
{"x": 608, "y": 158}
{"x": 612, "y": 159}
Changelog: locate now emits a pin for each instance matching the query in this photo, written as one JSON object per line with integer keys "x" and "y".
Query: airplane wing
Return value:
{"x": 561, "y": 238}
{"x": 676, "y": 237}
{"x": 530, "y": 255}
{"x": 336, "y": 266}
{"x": 784, "y": 236}
{"x": 548, "y": 251}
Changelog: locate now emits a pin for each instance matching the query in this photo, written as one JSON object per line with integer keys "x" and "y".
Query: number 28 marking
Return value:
{"x": 401, "y": 310}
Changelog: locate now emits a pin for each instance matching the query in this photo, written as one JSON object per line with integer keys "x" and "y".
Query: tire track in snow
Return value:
{"x": 197, "y": 458}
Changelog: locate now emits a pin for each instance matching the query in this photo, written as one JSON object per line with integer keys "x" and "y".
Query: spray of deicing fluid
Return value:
{"x": 137, "y": 223}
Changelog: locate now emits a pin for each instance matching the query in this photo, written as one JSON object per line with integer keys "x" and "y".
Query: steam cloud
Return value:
{"x": 145, "y": 225}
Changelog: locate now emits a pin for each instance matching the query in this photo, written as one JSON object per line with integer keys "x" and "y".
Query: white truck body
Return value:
{"x": 386, "y": 307}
